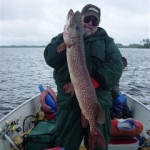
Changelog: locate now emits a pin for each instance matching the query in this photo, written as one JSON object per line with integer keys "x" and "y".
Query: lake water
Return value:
{"x": 23, "y": 69}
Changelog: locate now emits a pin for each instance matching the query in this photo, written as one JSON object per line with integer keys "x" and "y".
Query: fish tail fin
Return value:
{"x": 101, "y": 115}
{"x": 96, "y": 139}
{"x": 61, "y": 47}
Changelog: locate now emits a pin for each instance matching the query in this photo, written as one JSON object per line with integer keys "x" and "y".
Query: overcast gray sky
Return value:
{"x": 35, "y": 22}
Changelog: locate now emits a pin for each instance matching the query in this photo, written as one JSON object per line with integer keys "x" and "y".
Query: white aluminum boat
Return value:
{"x": 31, "y": 107}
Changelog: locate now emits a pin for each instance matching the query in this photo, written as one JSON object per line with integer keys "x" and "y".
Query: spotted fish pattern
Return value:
{"x": 80, "y": 78}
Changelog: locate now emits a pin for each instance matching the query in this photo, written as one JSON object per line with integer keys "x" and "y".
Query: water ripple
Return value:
{"x": 23, "y": 69}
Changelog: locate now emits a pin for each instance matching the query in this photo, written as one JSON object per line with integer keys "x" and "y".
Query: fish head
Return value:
{"x": 73, "y": 28}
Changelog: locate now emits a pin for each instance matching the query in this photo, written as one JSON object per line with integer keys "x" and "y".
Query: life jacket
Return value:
{"x": 120, "y": 107}
{"x": 47, "y": 98}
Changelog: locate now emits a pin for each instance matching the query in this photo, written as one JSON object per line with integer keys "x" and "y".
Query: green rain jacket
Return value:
{"x": 104, "y": 64}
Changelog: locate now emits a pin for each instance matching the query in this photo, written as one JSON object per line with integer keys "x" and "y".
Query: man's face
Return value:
{"x": 90, "y": 24}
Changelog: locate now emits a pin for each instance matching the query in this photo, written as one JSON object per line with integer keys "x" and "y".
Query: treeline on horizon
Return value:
{"x": 145, "y": 43}
{"x": 21, "y": 46}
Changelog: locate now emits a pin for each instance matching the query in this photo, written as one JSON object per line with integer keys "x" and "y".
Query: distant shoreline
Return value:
{"x": 43, "y": 46}
{"x": 22, "y": 46}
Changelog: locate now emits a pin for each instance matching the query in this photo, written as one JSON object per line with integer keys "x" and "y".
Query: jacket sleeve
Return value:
{"x": 53, "y": 58}
{"x": 108, "y": 72}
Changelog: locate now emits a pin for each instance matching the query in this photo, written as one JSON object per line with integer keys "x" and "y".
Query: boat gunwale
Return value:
{"x": 11, "y": 112}
{"x": 134, "y": 99}
{"x": 128, "y": 95}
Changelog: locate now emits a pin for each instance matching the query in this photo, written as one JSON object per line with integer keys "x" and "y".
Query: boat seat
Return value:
{"x": 126, "y": 127}
{"x": 123, "y": 144}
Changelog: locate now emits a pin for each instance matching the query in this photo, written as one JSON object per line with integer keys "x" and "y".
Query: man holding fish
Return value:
{"x": 87, "y": 65}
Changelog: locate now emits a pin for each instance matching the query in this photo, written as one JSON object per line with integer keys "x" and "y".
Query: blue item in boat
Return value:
{"x": 120, "y": 107}
{"x": 121, "y": 99}
{"x": 48, "y": 99}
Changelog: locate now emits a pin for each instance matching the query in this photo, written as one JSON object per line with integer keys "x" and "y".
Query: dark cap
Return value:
{"x": 91, "y": 10}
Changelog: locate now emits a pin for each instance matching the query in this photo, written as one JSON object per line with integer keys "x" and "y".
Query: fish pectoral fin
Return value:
{"x": 61, "y": 47}
{"x": 101, "y": 115}
{"x": 69, "y": 88}
{"x": 84, "y": 121}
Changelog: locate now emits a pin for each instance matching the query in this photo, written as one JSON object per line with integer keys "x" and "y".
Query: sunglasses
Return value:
{"x": 94, "y": 20}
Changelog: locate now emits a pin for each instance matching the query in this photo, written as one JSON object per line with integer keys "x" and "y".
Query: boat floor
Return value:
{"x": 82, "y": 148}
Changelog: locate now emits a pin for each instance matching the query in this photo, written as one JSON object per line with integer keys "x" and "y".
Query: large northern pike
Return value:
{"x": 84, "y": 90}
